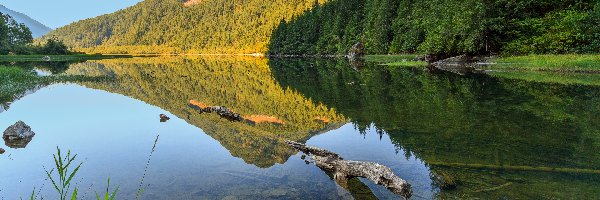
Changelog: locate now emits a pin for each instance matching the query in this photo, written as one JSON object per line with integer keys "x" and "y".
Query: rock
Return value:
{"x": 2, "y": 151}
{"x": 18, "y": 135}
{"x": 356, "y": 56}
{"x": 164, "y": 118}
{"x": 357, "y": 51}
{"x": 461, "y": 65}
{"x": 19, "y": 130}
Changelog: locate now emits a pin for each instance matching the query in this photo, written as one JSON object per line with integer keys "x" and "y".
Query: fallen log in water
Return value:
{"x": 224, "y": 112}
{"x": 231, "y": 115}
{"x": 343, "y": 170}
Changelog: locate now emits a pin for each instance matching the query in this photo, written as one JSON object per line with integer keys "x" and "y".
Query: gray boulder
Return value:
{"x": 19, "y": 130}
{"x": 18, "y": 135}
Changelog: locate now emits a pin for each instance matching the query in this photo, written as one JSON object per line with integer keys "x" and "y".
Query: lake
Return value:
{"x": 449, "y": 136}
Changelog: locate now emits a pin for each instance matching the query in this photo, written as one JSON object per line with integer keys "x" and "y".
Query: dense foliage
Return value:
{"x": 443, "y": 27}
{"x": 16, "y": 38}
{"x": 13, "y": 36}
{"x": 167, "y": 26}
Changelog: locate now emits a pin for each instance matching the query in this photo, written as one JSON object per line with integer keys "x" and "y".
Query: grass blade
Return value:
{"x": 74, "y": 196}
{"x": 68, "y": 182}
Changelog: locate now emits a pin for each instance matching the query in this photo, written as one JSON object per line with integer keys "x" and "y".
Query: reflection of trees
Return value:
{"x": 444, "y": 118}
{"x": 55, "y": 67}
{"x": 18, "y": 81}
{"x": 243, "y": 85}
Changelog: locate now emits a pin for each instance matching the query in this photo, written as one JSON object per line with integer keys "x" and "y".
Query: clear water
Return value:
{"x": 489, "y": 135}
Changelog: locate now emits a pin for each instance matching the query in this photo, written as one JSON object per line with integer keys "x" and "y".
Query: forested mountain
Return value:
{"x": 210, "y": 26}
{"x": 37, "y": 29}
{"x": 443, "y": 27}
{"x": 332, "y": 26}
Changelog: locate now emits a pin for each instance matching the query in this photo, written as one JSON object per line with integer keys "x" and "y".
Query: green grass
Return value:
{"x": 551, "y": 77}
{"x": 408, "y": 64}
{"x": 62, "y": 183}
{"x": 75, "y": 57}
{"x": 390, "y": 58}
{"x": 405, "y": 60}
{"x": 557, "y": 63}
{"x": 61, "y": 180}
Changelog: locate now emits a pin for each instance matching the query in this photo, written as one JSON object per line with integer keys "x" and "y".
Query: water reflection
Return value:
{"x": 448, "y": 136}
{"x": 489, "y": 126}
{"x": 241, "y": 84}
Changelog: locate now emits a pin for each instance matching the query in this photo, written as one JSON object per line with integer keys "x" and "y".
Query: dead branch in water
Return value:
{"x": 344, "y": 170}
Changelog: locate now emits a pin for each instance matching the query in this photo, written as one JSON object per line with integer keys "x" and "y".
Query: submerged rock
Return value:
{"x": 164, "y": 118}
{"x": 443, "y": 180}
{"x": 18, "y": 135}
{"x": 2, "y": 151}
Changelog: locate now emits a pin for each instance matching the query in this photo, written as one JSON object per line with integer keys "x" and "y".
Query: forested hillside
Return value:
{"x": 443, "y": 27}
{"x": 210, "y": 26}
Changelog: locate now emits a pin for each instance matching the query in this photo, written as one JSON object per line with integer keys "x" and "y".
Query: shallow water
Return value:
{"x": 485, "y": 133}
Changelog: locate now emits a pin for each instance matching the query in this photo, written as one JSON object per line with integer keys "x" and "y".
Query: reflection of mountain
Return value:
{"x": 443, "y": 118}
{"x": 243, "y": 85}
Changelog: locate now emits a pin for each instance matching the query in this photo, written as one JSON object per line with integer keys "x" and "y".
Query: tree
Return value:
{"x": 13, "y": 36}
{"x": 54, "y": 47}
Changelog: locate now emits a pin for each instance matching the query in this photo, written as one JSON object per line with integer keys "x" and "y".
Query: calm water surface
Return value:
{"x": 489, "y": 136}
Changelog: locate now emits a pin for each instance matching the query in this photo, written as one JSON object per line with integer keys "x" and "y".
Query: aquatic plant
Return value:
{"x": 62, "y": 183}
{"x": 108, "y": 195}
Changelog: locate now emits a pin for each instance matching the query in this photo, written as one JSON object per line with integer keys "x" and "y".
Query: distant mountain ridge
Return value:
{"x": 37, "y": 29}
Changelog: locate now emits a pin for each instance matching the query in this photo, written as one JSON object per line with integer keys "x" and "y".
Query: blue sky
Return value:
{"x": 57, "y": 13}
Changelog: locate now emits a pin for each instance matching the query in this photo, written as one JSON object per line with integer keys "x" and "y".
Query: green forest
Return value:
{"x": 448, "y": 27}
{"x": 331, "y": 27}
{"x": 167, "y": 26}
{"x": 17, "y": 39}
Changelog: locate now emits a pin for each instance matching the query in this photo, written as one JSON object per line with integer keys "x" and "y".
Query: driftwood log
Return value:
{"x": 344, "y": 170}
{"x": 231, "y": 115}
{"x": 223, "y": 112}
